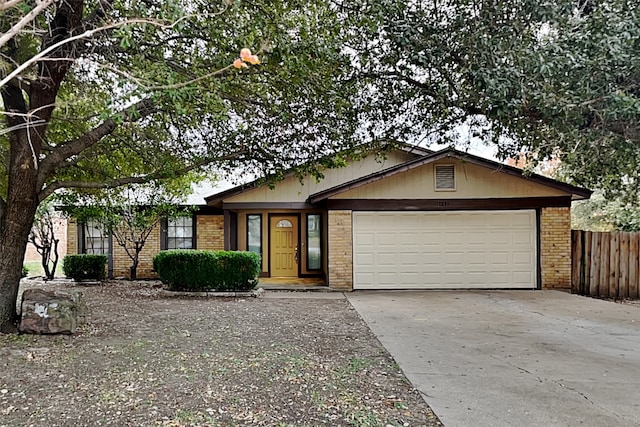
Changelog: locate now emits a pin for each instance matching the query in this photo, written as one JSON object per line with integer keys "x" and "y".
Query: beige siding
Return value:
{"x": 472, "y": 181}
{"x": 291, "y": 190}
{"x": 340, "y": 250}
{"x": 555, "y": 245}
{"x": 210, "y": 232}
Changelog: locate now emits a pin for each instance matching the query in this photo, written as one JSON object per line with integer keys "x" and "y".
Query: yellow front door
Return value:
{"x": 284, "y": 246}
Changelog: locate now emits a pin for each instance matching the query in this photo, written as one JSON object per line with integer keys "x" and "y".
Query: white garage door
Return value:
{"x": 444, "y": 250}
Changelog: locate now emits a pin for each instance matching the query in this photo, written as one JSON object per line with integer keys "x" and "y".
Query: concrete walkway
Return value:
{"x": 513, "y": 358}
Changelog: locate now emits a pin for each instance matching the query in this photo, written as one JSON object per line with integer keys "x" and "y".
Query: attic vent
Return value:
{"x": 445, "y": 177}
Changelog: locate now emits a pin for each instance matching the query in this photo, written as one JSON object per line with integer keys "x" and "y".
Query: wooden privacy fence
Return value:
{"x": 605, "y": 264}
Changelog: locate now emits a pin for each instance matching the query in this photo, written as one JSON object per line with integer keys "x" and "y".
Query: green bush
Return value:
{"x": 189, "y": 270}
{"x": 25, "y": 271}
{"x": 84, "y": 266}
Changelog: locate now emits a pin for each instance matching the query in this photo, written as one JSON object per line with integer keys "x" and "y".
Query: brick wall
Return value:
{"x": 122, "y": 262}
{"x": 72, "y": 237}
{"x": 555, "y": 242}
{"x": 210, "y": 232}
{"x": 60, "y": 230}
{"x": 340, "y": 250}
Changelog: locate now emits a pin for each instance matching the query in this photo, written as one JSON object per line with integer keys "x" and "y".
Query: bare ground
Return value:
{"x": 144, "y": 359}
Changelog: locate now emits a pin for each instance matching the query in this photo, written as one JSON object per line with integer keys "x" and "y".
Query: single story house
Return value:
{"x": 415, "y": 220}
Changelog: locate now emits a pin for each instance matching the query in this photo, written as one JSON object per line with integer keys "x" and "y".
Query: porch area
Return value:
{"x": 317, "y": 284}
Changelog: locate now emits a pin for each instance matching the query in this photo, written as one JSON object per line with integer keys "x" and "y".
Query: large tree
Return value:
{"x": 551, "y": 78}
{"x": 101, "y": 94}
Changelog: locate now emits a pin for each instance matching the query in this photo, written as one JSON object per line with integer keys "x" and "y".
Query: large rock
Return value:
{"x": 51, "y": 311}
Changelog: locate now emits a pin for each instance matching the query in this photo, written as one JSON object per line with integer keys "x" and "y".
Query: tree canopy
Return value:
{"x": 548, "y": 78}
{"x": 107, "y": 93}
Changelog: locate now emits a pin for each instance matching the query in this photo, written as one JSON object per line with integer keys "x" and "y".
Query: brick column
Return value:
{"x": 555, "y": 242}
{"x": 72, "y": 236}
{"x": 340, "y": 252}
{"x": 210, "y": 232}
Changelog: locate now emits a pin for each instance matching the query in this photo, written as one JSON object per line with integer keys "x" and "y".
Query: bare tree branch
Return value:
{"x": 85, "y": 35}
{"x": 8, "y": 4}
{"x": 41, "y": 5}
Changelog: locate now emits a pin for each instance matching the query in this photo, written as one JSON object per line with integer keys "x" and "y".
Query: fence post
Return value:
{"x": 594, "y": 270}
{"x": 614, "y": 264}
{"x": 605, "y": 263}
{"x": 623, "y": 279}
{"x": 586, "y": 264}
{"x": 576, "y": 260}
{"x": 634, "y": 265}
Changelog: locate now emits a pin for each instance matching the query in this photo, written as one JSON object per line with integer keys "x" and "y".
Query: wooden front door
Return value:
{"x": 284, "y": 246}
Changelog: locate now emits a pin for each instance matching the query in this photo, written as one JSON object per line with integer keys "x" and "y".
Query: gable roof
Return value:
{"x": 215, "y": 198}
{"x": 577, "y": 193}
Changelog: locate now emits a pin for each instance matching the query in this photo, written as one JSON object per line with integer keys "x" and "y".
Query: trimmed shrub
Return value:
{"x": 189, "y": 270}
{"x": 84, "y": 266}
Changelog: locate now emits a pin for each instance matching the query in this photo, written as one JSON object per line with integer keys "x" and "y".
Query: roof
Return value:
{"x": 218, "y": 197}
{"x": 577, "y": 193}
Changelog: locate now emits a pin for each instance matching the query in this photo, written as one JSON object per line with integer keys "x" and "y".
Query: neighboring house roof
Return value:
{"x": 577, "y": 193}
{"x": 215, "y": 198}
{"x": 425, "y": 156}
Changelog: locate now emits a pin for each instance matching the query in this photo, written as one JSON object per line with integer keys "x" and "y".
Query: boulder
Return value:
{"x": 51, "y": 311}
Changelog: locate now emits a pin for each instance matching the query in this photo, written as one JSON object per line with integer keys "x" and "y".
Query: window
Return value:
{"x": 96, "y": 239}
{"x": 179, "y": 233}
{"x": 445, "y": 177}
{"x": 284, "y": 223}
{"x": 314, "y": 233}
{"x": 254, "y": 233}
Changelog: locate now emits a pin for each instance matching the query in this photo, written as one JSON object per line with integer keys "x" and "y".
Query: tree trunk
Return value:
{"x": 52, "y": 272}
{"x": 133, "y": 270}
{"x": 15, "y": 225}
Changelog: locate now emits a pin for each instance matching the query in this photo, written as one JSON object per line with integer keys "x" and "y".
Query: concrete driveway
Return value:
{"x": 513, "y": 358}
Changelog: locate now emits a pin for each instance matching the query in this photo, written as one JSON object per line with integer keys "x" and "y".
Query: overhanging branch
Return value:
{"x": 74, "y": 147}
{"x": 56, "y": 185}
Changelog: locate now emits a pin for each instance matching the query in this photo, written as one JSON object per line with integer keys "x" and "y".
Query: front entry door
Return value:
{"x": 284, "y": 246}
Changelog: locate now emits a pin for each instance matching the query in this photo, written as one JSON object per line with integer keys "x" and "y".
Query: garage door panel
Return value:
{"x": 498, "y": 258}
{"x": 453, "y": 258}
{"x": 499, "y": 238}
{"x": 522, "y": 258}
{"x": 476, "y": 258}
{"x": 365, "y": 259}
{"x": 365, "y": 238}
{"x": 422, "y": 250}
{"x": 452, "y": 238}
{"x": 477, "y": 238}
{"x": 523, "y": 277}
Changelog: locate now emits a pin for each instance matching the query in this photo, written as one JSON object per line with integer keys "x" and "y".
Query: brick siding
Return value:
{"x": 340, "y": 250}
{"x": 72, "y": 236}
{"x": 122, "y": 262}
{"x": 210, "y": 232}
{"x": 555, "y": 242}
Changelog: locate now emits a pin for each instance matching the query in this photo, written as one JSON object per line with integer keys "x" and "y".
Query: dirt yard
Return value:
{"x": 144, "y": 359}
